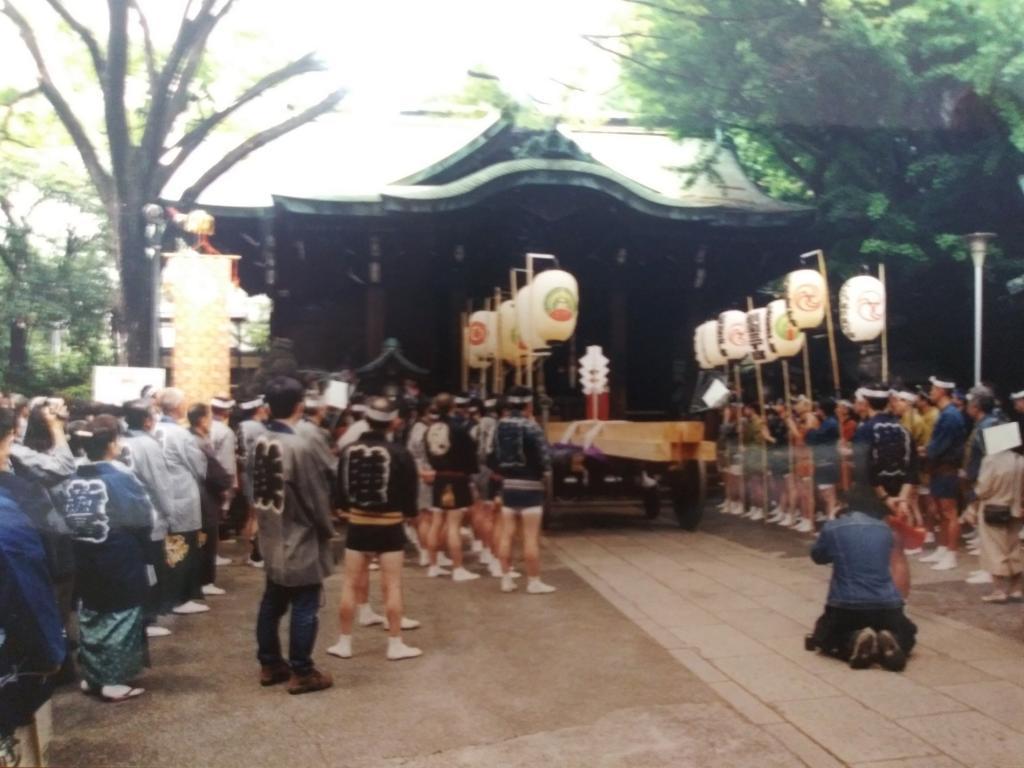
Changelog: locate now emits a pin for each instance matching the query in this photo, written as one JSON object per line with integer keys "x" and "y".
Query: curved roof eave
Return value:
{"x": 476, "y": 187}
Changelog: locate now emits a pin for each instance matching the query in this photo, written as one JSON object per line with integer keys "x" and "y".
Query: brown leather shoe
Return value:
{"x": 272, "y": 674}
{"x": 314, "y": 680}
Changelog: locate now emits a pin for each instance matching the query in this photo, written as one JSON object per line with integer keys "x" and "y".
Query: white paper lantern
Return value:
{"x": 508, "y": 345}
{"x": 732, "y": 334}
{"x": 806, "y": 297}
{"x": 524, "y": 315}
{"x": 784, "y": 338}
{"x": 708, "y": 333}
{"x": 758, "y": 335}
{"x": 483, "y": 337}
{"x": 862, "y": 308}
{"x": 698, "y": 349}
{"x": 555, "y": 298}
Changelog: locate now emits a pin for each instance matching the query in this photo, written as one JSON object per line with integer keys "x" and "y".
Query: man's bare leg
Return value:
{"x": 391, "y": 581}
{"x": 437, "y": 519}
{"x": 508, "y": 530}
{"x": 532, "y": 517}
{"x": 453, "y": 519}
{"x": 357, "y": 564}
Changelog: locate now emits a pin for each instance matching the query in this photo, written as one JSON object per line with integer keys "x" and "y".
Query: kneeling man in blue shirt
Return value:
{"x": 864, "y": 621}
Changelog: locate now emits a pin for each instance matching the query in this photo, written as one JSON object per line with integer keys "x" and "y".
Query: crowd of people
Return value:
{"x": 111, "y": 518}
{"x": 892, "y": 474}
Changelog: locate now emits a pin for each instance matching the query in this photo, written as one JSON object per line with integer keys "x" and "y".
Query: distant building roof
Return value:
{"x": 421, "y": 162}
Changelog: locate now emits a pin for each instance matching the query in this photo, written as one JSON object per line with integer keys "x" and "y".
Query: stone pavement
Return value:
{"x": 661, "y": 648}
{"x": 735, "y": 616}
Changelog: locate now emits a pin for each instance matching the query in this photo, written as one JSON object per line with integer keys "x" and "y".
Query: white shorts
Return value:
{"x": 524, "y": 511}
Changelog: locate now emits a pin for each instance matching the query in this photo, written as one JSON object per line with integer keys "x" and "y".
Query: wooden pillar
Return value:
{"x": 454, "y": 262}
{"x": 376, "y": 303}
{"x": 619, "y": 326}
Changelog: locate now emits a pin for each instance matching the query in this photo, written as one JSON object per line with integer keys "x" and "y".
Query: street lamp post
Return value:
{"x": 978, "y": 243}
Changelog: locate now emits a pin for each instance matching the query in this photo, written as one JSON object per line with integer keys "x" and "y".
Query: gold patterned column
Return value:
{"x": 199, "y": 285}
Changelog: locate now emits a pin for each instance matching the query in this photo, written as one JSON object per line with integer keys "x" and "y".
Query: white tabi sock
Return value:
{"x": 343, "y": 648}
{"x": 367, "y": 618}
{"x": 398, "y": 650}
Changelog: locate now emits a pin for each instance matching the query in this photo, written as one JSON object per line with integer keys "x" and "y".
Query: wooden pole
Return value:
{"x": 517, "y": 377}
{"x": 830, "y": 325}
{"x": 764, "y": 422}
{"x": 464, "y": 377}
{"x": 807, "y": 366}
{"x": 739, "y": 435}
{"x": 499, "y": 366}
{"x": 885, "y": 327}
{"x": 789, "y": 408}
{"x": 529, "y": 349}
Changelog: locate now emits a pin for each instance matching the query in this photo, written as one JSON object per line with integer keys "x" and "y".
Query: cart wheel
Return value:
{"x": 689, "y": 486}
{"x": 652, "y": 503}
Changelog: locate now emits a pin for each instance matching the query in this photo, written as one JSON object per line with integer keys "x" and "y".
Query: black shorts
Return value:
{"x": 375, "y": 538}
{"x": 461, "y": 495}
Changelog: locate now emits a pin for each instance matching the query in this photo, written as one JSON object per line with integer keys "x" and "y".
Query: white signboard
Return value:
{"x": 336, "y": 395}
{"x": 114, "y": 385}
{"x": 716, "y": 394}
{"x": 1003, "y": 437}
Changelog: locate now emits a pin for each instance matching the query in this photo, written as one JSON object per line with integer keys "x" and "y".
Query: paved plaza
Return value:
{"x": 661, "y": 648}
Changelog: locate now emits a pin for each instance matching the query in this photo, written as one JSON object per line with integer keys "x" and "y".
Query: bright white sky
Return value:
{"x": 390, "y": 53}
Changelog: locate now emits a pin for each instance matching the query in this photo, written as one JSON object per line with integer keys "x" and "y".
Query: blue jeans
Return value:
{"x": 305, "y": 604}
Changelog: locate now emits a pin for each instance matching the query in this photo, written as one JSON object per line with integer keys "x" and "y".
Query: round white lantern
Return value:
{"x": 698, "y": 349}
{"x": 524, "y": 315}
{"x": 555, "y": 300}
{"x": 806, "y": 297}
{"x": 732, "y": 334}
{"x": 709, "y": 343}
{"x": 759, "y": 335}
{"x": 483, "y": 337}
{"x": 508, "y": 345}
{"x": 862, "y": 308}
{"x": 785, "y": 338}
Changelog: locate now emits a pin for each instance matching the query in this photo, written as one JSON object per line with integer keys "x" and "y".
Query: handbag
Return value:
{"x": 997, "y": 514}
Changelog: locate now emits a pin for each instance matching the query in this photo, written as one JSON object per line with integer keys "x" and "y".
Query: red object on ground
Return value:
{"x": 601, "y": 401}
{"x": 913, "y": 538}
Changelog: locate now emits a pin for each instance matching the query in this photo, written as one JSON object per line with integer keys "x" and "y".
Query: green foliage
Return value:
{"x": 900, "y": 120}
{"x": 55, "y": 280}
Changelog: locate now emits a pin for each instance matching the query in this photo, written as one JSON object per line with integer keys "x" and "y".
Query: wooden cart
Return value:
{"x": 630, "y": 465}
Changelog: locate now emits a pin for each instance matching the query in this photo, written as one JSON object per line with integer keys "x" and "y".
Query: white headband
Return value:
{"x": 941, "y": 384}
{"x": 516, "y": 400}
{"x": 491, "y": 403}
{"x": 222, "y": 404}
{"x": 910, "y": 397}
{"x": 374, "y": 415}
{"x": 874, "y": 394}
{"x": 251, "y": 405}
{"x": 1017, "y": 395}
{"x": 358, "y": 408}
{"x": 461, "y": 400}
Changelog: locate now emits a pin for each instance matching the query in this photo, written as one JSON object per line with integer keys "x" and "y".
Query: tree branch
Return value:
{"x": 191, "y": 140}
{"x": 596, "y": 42}
{"x": 83, "y": 32}
{"x": 150, "y": 52}
{"x": 113, "y": 92}
{"x": 171, "y": 95}
{"x": 256, "y": 141}
{"x": 97, "y": 173}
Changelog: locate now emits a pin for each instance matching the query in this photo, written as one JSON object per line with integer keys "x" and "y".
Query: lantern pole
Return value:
{"x": 789, "y": 410}
{"x": 764, "y": 421}
{"x": 807, "y": 366}
{"x": 514, "y": 290}
{"x": 739, "y": 435}
{"x": 885, "y": 327}
{"x": 464, "y": 373}
{"x": 823, "y": 269}
{"x": 499, "y": 366}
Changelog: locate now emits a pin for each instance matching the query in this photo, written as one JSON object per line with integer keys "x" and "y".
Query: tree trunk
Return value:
{"x": 133, "y": 320}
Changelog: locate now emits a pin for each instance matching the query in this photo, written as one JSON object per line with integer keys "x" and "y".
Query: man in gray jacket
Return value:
{"x": 293, "y": 506}
{"x": 142, "y": 454}
{"x": 186, "y": 469}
